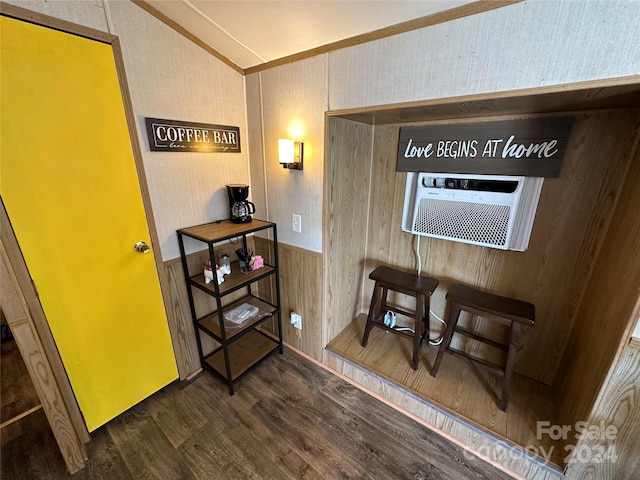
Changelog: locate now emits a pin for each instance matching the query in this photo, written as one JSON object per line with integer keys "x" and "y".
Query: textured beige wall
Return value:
{"x": 291, "y": 101}
{"x": 529, "y": 44}
{"x": 170, "y": 77}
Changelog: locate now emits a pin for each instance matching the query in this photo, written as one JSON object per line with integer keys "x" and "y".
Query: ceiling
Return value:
{"x": 254, "y": 32}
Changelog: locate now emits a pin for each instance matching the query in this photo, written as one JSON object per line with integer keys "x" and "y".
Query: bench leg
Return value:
{"x": 417, "y": 336}
{"x": 426, "y": 320}
{"x": 508, "y": 371}
{"x": 373, "y": 313}
{"x": 452, "y": 320}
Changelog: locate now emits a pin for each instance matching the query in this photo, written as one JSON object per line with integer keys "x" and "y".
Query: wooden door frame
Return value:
{"x": 16, "y": 266}
{"x": 38, "y": 350}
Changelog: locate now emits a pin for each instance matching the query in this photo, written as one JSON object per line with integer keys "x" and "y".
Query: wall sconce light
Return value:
{"x": 290, "y": 153}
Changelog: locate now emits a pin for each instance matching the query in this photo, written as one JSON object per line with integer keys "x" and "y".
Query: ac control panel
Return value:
{"x": 480, "y": 185}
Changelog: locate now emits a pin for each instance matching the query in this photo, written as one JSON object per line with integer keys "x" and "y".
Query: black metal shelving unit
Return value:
{"x": 245, "y": 345}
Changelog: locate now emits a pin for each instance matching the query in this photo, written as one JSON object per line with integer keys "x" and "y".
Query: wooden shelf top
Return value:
{"x": 224, "y": 229}
{"x": 212, "y": 323}
{"x": 244, "y": 354}
{"x": 232, "y": 281}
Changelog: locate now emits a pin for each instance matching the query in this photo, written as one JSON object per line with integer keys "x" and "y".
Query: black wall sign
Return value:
{"x": 176, "y": 136}
{"x": 533, "y": 147}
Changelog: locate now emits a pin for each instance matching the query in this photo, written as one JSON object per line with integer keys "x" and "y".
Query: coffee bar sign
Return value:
{"x": 533, "y": 147}
{"x": 176, "y": 136}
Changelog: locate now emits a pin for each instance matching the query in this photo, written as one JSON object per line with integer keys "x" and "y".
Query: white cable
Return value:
{"x": 438, "y": 318}
{"x": 437, "y": 341}
{"x": 418, "y": 254}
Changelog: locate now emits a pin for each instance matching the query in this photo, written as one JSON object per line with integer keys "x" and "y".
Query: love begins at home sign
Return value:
{"x": 532, "y": 147}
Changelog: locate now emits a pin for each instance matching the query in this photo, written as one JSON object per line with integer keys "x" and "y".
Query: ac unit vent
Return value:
{"x": 490, "y": 210}
{"x": 479, "y": 223}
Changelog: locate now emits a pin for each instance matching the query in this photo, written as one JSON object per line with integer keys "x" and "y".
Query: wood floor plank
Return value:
{"x": 105, "y": 461}
{"x": 145, "y": 449}
{"x": 289, "y": 419}
{"x": 235, "y": 440}
{"x": 22, "y": 465}
{"x": 401, "y": 430}
{"x": 284, "y": 456}
{"x": 358, "y": 435}
{"x": 309, "y": 421}
{"x": 35, "y": 455}
{"x": 175, "y": 415}
{"x": 212, "y": 453}
{"x": 302, "y": 432}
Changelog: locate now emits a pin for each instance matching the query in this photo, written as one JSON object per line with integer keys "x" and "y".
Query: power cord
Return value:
{"x": 438, "y": 340}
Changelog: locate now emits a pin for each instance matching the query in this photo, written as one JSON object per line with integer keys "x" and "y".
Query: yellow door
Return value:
{"x": 69, "y": 184}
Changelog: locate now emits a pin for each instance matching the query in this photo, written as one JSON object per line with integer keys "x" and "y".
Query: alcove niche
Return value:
{"x": 581, "y": 270}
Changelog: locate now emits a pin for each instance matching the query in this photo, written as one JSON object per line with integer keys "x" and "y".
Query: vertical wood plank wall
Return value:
{"x": 609, "y": 309}
{"x": 300, "y": 292}
{"x": 618, "y": 406}
{"x": 346, "y": 196}
{"x": 573, "y": 215}
{"x": 184, "y": 333}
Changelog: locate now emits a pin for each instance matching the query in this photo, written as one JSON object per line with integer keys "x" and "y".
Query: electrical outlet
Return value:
{"x": 296, "y": 320}
{"x": 296, "y": 223}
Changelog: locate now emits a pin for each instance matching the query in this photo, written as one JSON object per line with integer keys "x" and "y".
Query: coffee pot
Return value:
{"x": 240, "y": 208}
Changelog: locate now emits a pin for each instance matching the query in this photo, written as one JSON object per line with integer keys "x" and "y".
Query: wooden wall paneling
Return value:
{"x": 40, "y": 370}
{"x": 572, "y": 213}
{"x": 386, "y": 243}
{"x": 440, "y": 259}
{"x": 300, "y": 292}
{"x": 184, "y": 333}
{"x": 618, "y": 409}
{"x": 608, "y": 311}
{"x": 179, "y": 303}
{"x": 346, "y": 199}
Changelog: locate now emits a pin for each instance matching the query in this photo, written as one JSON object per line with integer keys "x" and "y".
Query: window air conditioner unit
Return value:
{"x": 491, "y": 210}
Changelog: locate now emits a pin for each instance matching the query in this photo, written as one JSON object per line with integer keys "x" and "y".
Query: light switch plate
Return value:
{"x": 296, "y": 223}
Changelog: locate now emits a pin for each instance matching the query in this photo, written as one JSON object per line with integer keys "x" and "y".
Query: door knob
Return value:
{"x": 141, "y": 247}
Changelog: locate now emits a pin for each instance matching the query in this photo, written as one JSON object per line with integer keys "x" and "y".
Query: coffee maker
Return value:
{"x": 240, "y": 209}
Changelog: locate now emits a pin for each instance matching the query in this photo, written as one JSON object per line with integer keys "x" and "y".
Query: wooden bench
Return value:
{"x": 514, "y": 313}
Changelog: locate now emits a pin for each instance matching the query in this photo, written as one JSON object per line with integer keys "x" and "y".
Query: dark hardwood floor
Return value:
{"x": 289, "y": 419}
